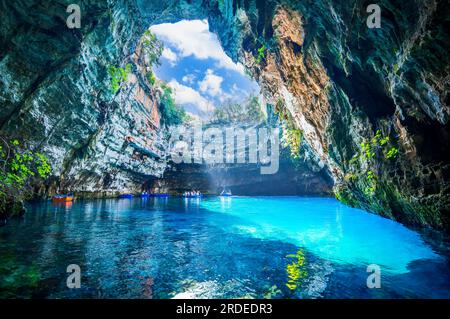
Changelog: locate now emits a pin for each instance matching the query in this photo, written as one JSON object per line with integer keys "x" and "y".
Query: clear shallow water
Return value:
{"x": 215, "y": 248}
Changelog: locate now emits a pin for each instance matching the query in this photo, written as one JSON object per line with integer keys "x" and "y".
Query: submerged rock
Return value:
{"x": 213, "y": 289}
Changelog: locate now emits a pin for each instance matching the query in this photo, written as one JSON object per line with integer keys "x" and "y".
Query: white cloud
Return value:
{"x": 193, "y": 38}
{"x": 189, "y": 78}
{"x": 185, "y": 95}
{"x": 211, "y": 83}
{"x": 169, "y": 55}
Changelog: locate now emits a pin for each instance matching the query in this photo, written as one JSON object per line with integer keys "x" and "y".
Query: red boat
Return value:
{"x": 62, "y": 198}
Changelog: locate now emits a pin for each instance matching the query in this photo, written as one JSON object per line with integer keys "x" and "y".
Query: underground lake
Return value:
{"x": 216, "y": 247}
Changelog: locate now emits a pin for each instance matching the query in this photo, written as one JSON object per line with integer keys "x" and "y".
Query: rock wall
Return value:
{"x": 340, "y": 81}
{"x": 343, "y": 82}
{"x": 245, "y": 180}
{"x": 56, "y": 95}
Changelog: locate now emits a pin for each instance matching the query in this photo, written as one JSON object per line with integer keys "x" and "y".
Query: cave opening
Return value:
{"x": 202, "y": 77}
{"x": 216, "y": 92}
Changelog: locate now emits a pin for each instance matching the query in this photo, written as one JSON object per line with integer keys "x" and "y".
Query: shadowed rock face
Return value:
{"x": 55, "y": 94}
{"x": 340, "y": 82}
{"x": 244, "y": 180}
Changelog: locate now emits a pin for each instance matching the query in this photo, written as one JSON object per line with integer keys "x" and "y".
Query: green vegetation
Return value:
{"x": 372, "y": 183}
{"x": 261, "y": 54}
{"x": 18, "y": 167}
{"x": 292, "y": 139}
{"x": 392, "y": 153}
{"x": 150, "y": 76}
{"x": 296, "y": 271}
{"x": 343, "y": 195}
{"x": 171, "y": 114}
{"x": 377, "y": 144}
{"x": 291, "y": 136}
{"x": 118, "y": 76}
{"x": 373, "y": 152}
{"x": 247, "y": 112}
{"x": 152, "y": 47}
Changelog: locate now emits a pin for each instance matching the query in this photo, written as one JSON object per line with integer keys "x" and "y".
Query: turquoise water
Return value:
{"x": 328, "y": 229}
{"x": 215, "y": 248}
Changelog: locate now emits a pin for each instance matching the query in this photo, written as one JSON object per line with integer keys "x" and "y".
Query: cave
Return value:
{"x": 88, "y": 142}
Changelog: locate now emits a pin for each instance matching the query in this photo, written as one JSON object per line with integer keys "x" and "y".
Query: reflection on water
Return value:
{"x": 214, "y": 248}
{"x": 225, "y": 202}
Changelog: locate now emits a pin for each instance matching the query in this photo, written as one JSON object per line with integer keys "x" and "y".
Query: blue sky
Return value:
{"x": 195, "y": 66}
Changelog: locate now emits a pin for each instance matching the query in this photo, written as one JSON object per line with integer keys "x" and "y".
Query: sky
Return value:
{"x": 195, "y": 66}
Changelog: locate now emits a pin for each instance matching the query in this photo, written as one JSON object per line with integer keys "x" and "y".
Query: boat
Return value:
{"x": 226, "y": 193}
{"x": 126, "y": 196}
{"x": 62, "y": 198}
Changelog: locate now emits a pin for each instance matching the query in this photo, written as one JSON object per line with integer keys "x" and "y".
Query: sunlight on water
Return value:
{"x": 327, "y": 228}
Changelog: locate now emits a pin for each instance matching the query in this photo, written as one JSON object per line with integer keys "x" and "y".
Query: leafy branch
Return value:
{"x": 19, "y": 167}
